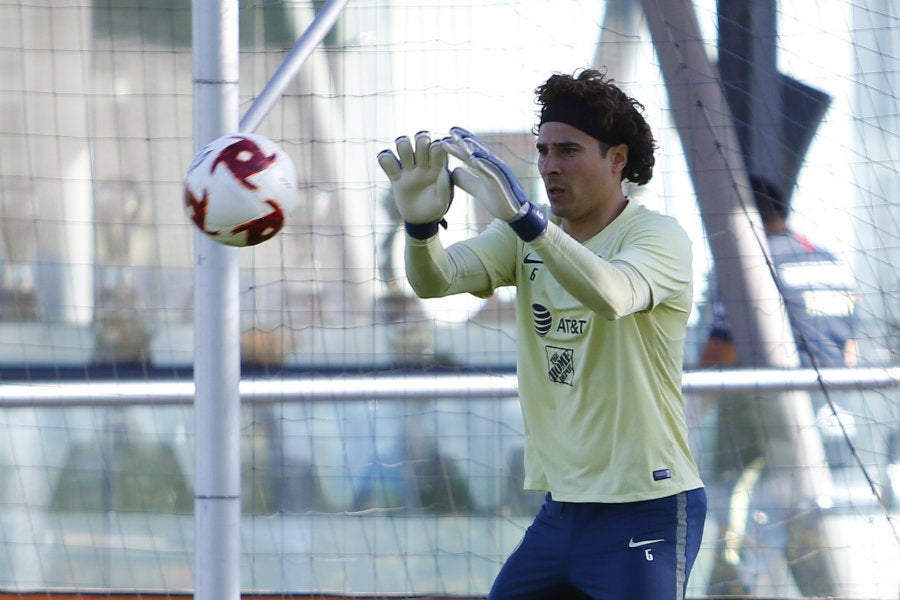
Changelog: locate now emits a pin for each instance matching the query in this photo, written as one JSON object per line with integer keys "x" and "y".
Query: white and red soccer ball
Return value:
{"x": 240, "y": 189}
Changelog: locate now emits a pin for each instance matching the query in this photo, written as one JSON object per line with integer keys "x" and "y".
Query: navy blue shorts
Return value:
{"x": 629, "y": 551}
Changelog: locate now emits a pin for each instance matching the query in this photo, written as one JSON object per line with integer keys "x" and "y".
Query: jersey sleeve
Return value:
{"x": 653, "y": 265}
{"x": 477, "y": 266}
{"x": 660, "y": 251}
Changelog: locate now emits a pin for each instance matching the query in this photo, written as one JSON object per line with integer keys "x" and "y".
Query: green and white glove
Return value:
{"x": 420, "y": 181}
{"x": 486, "y": 177}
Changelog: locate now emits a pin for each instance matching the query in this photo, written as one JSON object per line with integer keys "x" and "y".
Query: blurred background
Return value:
{"x": 357, "y": 478}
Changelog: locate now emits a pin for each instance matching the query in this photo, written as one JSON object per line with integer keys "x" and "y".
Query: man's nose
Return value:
{"x": 548, "y": 165}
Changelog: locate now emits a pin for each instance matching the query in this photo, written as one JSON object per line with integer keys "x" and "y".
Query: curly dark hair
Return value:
{"x": 615, "y": 117}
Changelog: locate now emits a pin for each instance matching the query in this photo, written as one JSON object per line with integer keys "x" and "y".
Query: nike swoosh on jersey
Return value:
{"x": 530, "y": 261}
{"x": 634, "y": 544}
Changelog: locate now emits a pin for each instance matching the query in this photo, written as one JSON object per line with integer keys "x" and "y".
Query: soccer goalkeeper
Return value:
{"x": 603, "y": 292}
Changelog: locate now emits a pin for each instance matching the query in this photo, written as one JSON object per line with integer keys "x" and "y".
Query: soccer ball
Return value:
{"x": 240, "y": 188}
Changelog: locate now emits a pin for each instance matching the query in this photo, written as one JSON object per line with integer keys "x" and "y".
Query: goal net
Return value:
{"x": 381, "y": 449}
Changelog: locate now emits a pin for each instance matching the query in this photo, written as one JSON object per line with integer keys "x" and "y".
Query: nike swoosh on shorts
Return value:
{"x": 634, "y": 544}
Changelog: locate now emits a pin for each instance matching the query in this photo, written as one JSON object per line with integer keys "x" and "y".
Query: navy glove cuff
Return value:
{"x": 423, "y": 231}
{"x": 531, "y": 225}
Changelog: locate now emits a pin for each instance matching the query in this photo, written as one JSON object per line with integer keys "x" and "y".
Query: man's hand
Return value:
{"x": 487, "y": 178}
{"x": 420, "y": 181}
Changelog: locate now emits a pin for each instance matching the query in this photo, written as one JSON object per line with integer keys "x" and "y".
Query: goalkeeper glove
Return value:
{"x": 420, "y": 181}
{"x": 486, "y": 177}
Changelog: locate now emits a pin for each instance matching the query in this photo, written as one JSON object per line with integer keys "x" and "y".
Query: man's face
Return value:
{"x": 578, "y": 178}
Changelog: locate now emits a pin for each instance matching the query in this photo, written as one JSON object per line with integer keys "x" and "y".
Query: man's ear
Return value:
{"x": 618, "y": 157}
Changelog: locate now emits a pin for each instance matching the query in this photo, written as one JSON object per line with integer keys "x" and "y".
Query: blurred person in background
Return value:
{"x": 820, "y": 296}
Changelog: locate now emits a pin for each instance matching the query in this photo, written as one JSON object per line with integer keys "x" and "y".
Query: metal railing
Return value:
{"x": 412, "y": 386}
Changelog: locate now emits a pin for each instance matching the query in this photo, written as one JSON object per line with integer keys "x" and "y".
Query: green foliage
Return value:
{"x": 168, "y": 22}
{"x": 123, "y": 476}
